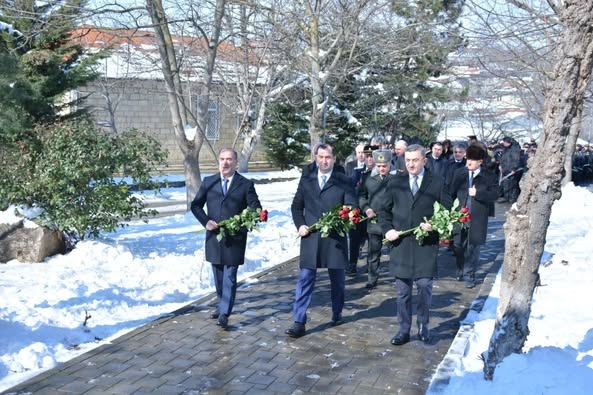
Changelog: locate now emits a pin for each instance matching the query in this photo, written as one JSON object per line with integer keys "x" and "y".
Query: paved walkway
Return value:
{"x": 185, "y": 353}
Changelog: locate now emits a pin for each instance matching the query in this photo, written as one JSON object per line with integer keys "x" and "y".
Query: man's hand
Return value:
{"x": 426, "y": 226}
{"x": 472, "y": 191}
{"x": 303, "y": 230}
{"x": 211, "y": 225}
{"x": 370, "y": 213}
{"x": 392, "y": 235}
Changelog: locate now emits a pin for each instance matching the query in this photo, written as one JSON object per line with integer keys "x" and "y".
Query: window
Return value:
{"x": 212, "y": 122}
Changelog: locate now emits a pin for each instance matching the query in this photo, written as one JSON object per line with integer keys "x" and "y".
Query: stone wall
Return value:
{"x": 142, "y": 104}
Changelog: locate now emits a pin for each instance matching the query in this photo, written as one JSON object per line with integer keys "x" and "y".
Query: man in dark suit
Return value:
{"x": 437, "y": 163}
{"x": 312, "y": 167}
{"x": 225, "y": 195}
{"x": 398, "y": 162}
{"x": 456, "y": 161}
{"x": 371, "y": 199}
{"x": 409, "y": 199}
{"x": 477, "y": 189}
{"x": 357, "y": 235}
{"x": 317, "y": 193}
{"x": 359, "y": 160}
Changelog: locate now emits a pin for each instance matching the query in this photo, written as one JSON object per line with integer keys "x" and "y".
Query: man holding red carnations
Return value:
{"x": 477, "y": 189}
{"x": 321, "y": 192}
{"x": 225, "y": 195}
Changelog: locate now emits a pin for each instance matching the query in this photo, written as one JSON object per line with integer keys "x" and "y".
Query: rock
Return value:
{"x": 29, "y": 244}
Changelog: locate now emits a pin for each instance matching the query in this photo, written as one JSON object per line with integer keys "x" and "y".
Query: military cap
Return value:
{"x": 382, "y": 156}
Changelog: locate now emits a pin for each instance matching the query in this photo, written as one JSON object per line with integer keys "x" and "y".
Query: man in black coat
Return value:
{"x": 371, "y": 199}
{"x": 409, "y": 199}
{"x": 456, "y": 161}
{"x": 477, "y": 189}
{"x": 510, "y": 170}
{"x": 359, "y": 161}
{"x": 357, "y": 235}
{"x": 436, "y": 161}
{"x": 225, "y": 195}
{"x": 319, "y": 192}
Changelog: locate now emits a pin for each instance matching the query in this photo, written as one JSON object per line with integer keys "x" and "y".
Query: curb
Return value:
{"x": 458, "y": 349}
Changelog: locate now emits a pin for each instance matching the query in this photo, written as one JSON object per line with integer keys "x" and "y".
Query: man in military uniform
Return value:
{"x": 370, "y": 201}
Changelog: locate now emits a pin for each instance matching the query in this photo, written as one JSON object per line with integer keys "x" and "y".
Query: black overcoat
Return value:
{"x": 241, "y": 194}
{"x": 408, "y": 258}
{"x": 309, "y": 203}
{"x": 372, "y": 195}
{"x": 486, "y": 184}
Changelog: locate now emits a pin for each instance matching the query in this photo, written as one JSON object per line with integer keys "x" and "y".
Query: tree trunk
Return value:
{"x": 527, "y": 221}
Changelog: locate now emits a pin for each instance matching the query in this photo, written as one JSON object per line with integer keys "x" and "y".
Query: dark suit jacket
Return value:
{"x": 398, "y": 164}
{"x": 437, "y": 166}
{"x": 372, "y": 195}
{"x": 452, "y": 168}
{"x": 350, "y": 166}
{"x": 486, "y": 184}
{"x": 402, "y": 211}
{"x": 241, "y": 194}
{"x": 308, "y": 205}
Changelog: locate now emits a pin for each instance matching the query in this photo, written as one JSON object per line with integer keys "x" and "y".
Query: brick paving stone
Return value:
{"x": 185, "y": 352}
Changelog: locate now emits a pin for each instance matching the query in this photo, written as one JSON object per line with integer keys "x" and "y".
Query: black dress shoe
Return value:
{"x": 423, "y": 333}
{"x": 459, "y": 275}
{"x": 371, "y": 285}
{"x": 400, "y": 338}
{"x": 214, "y": 315}
{"x": 337, "y": 320}
{"x": 223, "y": 321}
{"x": 296, "y": 330}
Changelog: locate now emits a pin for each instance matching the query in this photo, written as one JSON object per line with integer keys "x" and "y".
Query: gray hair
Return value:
{"x": 377, "y": 140}
{"x": 416, "y": 147}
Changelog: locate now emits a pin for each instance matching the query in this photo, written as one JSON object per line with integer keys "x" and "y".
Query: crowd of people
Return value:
{"x": 395, "y": 187}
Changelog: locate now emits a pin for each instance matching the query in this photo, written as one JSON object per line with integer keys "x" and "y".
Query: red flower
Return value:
{"x": 465, "y": 218}
{"x": 248, "y": 219}
{"x": 340, "y": 219}
{"x": 446, "y": 241}
{"x": 464, "y": 210}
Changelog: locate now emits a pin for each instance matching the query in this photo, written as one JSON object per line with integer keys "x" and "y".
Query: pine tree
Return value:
{"x": 46, "y": 62}
{"x": 285, "y": 136}
{"x": 393, "y": 94}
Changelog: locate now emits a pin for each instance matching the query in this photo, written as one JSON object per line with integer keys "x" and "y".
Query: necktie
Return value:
{"x": 471, "y": 183}
{"x": 323, "y": 180}
{"x": 225, "y": 186}
{"x": 415, "y": 186}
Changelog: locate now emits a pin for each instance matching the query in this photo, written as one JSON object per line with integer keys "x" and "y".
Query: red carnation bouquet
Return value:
{"x": 248, "y": 219}
{"x": 442, "y": 221}
{"x": 339, "y": 219}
